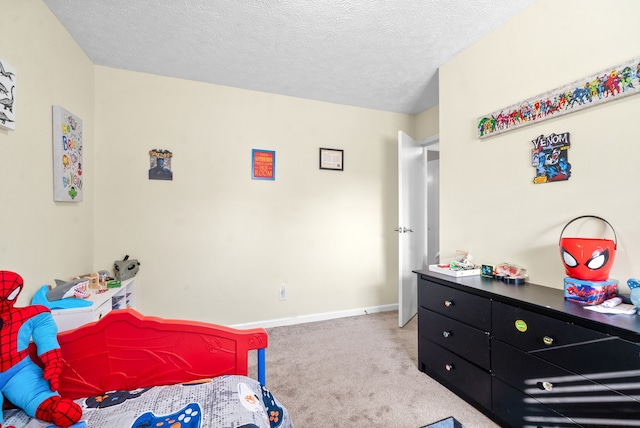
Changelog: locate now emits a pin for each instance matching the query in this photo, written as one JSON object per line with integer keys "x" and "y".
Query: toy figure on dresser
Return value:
{"x": 22, "y": 381}
{"x": 634, "y": 286}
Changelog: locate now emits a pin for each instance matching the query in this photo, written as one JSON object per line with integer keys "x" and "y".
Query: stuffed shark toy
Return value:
{"x": 64, "y": 289}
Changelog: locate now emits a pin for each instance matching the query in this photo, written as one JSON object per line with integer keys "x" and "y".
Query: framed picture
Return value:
{"x": 160, "y": 165}
{"x": 263, "y": 164}
{"x": 7, "y": 95}
{"x": 332, "y": 159}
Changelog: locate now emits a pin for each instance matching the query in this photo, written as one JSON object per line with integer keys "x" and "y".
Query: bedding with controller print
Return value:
{"x": 224, "y": 401}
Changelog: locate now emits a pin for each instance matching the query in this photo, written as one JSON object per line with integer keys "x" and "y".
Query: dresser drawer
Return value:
{"x": 567, "y": 393}
{"x": 604, "y": 359}
{"x": 610, "y": 361}
{"x": 530, "y": 331}
{"x": 519, "y": 410}
{"x": 102, "y": 310}
{"x": 460, "y": 305}
{"x": 454, "y": 372}
{"x": 468, "y": 342}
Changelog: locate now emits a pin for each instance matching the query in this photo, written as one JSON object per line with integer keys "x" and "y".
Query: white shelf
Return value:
{"x": 102, "y": 303}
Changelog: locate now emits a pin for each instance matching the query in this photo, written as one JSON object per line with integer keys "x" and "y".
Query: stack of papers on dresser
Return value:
{"x": 613, "y": 306}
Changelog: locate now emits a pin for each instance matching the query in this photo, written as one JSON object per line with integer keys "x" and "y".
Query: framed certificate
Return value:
{"x": 332, "y": 159}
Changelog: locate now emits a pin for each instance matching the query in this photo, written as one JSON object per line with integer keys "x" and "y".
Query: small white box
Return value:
{"x": 451, "y": 272}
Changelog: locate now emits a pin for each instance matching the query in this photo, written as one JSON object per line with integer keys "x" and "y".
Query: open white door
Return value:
{"x": 411, "y": 230}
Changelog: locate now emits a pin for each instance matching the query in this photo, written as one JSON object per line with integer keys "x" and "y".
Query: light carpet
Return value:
{"x": 359, "y": 371}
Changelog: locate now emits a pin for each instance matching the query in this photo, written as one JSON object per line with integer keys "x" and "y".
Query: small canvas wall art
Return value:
{"x": 7, "y": 95}
{"x": 67, "y": 156}
{"x": 263, "y": 164}
{"x": 550, "y": 159}
{"x": 160, "y": 165}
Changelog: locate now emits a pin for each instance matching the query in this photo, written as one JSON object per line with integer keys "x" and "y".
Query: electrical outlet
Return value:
{"x": 283, "y": 291}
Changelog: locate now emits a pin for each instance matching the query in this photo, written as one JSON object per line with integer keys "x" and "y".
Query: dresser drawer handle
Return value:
{"x": 448, "y": 367}
{"x": 448, "y": 303}
{"x": 446, "y": 333}
{"x": 546, "y": 386}
{"x": 547, "y": 340}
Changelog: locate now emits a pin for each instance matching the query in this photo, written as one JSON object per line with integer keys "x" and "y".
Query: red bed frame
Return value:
{"x": 126, "y": 350}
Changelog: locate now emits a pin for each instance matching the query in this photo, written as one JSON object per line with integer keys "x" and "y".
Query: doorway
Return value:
{"x": 433, "y": 204}
{"x": 418, "y": 215}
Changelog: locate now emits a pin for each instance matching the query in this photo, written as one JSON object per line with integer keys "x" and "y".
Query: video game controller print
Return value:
{"x": 188, "y": 417}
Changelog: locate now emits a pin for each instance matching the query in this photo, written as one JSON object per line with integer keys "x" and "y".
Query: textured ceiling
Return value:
{"x": 379, "y": 54}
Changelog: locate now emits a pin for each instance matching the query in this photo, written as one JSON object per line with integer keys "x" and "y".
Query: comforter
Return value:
{"x": 221, "y": 402}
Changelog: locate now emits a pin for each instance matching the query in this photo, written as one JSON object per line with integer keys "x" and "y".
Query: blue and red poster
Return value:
{"x": 263, "y": 164}
{"x": 549, "y": 158}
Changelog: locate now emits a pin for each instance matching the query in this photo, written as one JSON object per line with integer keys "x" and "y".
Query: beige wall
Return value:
{"x": 39, "y": 238}
{"x": 216, "y": 245}
{"x": 427, "y": 123}
{"x": 489, "y": 205}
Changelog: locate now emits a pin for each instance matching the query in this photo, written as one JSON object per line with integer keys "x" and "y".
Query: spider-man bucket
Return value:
{"x": 589, "y": 259}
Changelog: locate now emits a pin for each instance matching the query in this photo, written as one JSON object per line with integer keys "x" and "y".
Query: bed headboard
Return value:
{"x": 127, "y": 350}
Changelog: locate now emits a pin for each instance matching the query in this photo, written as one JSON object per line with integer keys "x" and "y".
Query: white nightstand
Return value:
{"x": 103, "y": 302}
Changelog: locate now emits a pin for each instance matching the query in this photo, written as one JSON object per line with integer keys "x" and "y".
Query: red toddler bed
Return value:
{"x": 130, "y": 370}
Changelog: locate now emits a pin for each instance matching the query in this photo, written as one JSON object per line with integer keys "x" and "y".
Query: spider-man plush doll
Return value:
{"x": 22, "y": 381}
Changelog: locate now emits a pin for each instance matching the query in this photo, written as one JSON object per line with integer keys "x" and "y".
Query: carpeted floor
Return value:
{"x": 356, "y": 372}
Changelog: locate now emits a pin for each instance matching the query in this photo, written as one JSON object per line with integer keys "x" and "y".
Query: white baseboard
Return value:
{"x": 317, "y": 317}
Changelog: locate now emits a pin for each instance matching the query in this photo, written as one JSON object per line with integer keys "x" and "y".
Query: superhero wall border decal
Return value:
{"x": 608, "y": 85}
